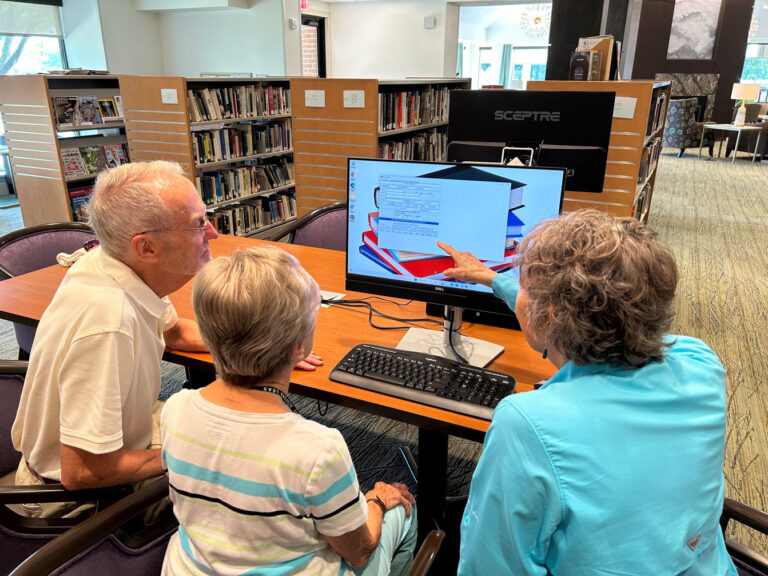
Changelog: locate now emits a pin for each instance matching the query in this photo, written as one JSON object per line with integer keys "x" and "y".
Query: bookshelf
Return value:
{"x": 36, "y": 140}
{"x": 633, "y": 149}
{"x": 335, "y": 119}
{"x": 233, "y": 138}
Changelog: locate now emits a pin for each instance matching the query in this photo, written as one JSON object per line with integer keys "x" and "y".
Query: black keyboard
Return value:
{"x": 424, "y": 378}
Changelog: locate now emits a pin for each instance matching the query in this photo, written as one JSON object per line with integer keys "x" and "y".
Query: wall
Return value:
{"x": 132, "y": 42}
{"x": 728, "y": 57}
{"x": 387, "y": 39}
{"x": 82, "y": 34}
{"x": 225, "y": 41}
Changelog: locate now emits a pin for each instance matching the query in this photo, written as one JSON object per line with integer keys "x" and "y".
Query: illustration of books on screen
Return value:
{"x": 415, "y": 212}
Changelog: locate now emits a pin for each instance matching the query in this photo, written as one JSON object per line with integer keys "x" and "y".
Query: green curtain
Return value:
{"x": 460, "y": 61}
{"x": 506, "y": 61}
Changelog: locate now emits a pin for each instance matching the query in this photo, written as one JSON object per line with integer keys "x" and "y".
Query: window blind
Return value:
{"x": 25, "y": 19}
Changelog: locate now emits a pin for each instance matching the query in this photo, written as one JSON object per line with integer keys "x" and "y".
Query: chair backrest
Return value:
{"x": 11, "y": 382}
{"x": 325, "y": 227}
{"x": 748, "y": 562}
{"x": 36, "y": 247}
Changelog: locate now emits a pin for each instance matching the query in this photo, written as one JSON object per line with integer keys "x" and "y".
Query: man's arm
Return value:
{"x": 81, "y": 469}
{"x": 185, "y": 336}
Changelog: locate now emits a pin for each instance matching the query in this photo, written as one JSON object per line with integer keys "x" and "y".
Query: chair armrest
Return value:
{"x": 427, "y": 553}
{"x": 752, "y": 517}
{"x": 90, "y": 531}
{"x": 57, "y": 493}
{"x": 14, "y": 367}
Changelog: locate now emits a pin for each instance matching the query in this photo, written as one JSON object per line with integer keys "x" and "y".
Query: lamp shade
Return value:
{"x": 745, "y": 91}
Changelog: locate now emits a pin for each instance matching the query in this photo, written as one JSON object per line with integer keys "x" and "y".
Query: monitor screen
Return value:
{"x": 567, "y": 129}
{"x": 398, "y": 210}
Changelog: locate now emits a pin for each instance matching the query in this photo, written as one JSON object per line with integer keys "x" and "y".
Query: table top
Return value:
{"x": 733, "y": 127}
{"x": 24, "y": 299}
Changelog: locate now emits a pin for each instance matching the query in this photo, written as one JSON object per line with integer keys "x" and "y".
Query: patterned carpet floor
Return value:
{"x": 714, "y": 215}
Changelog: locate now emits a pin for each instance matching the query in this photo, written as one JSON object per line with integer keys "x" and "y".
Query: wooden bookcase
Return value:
{"x": 160, "y": 126}
{"x": 35, "y": 142}
{"x": 633, "y": 149}
{"x": 335, "y": 119}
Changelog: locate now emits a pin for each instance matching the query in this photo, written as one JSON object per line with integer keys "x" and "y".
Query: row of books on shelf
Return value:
{"x": 657, "y": 113}
{"x": 642, "y": 201}
{"x": 223, "y": 185}
{"x": 412, "y": 108}
{"x": 648, "y": 159}
{"x": 74, "y": 111}
{"x": 427, "y": 147}
{"x": 93, "y": 159}
{"x": 233, "y": 102}
{"x": 240, "y": 140}
{"x": 247, "y": 218}
{"x": 79, "y": 199}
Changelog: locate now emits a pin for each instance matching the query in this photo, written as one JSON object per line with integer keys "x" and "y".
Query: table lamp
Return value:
{"x": 744, "y": 92}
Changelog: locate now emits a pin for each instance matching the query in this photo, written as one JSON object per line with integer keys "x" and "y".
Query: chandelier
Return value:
{"x": 535, "y": 20}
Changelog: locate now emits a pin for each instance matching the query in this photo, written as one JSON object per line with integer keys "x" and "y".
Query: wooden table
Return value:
{"x": 738, "y": 128}
{"x": 24, "y": 299}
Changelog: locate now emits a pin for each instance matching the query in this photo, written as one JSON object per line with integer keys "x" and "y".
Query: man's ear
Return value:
{"x": 144, "y": 248}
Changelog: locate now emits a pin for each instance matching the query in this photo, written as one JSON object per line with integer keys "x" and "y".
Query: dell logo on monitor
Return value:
{"x": 439, "y": 288}
{"x": 520, "y": 115}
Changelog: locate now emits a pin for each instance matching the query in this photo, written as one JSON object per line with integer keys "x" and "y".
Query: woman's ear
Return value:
{"x": 299, "y": 351}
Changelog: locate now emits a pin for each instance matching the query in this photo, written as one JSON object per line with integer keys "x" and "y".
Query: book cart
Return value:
{"x": 61, "y": 130}
{"x": 231, "y": 136}
{"x": 634, "y": 146}
{"x": 335, "y": 119}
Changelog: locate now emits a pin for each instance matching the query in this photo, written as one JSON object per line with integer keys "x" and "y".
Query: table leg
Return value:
{"x": 719, "y": 149}
{"x": 757, "y": 145}
{"x": 736, "y": 146}
{"x": 433, "y": 479}
{"x": 701, "y": 141}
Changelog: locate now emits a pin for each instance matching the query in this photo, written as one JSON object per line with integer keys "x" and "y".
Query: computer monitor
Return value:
{"x": 567, "y": 129}
{"x": 398, "y": 210}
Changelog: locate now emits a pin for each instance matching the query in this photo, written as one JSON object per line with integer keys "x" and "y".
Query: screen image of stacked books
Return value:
{"x": 93, "y": 159}
{"x": 74, "y": 111}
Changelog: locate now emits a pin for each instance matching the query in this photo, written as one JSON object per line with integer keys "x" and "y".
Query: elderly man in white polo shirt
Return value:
{"x": 88, "y": 410}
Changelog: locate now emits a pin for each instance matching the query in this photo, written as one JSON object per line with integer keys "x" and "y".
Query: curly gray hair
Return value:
{"x": 600, "y": 288}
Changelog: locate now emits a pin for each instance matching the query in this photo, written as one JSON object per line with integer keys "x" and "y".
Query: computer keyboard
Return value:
{"x": 424, "y": 378}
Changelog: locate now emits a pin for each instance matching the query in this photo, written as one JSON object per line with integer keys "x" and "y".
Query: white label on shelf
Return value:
{"x": 624, "y": 107}
{"x": 314, "y": 98}
{"x": 169, "y": 96}
{"x": 354, "y": 99}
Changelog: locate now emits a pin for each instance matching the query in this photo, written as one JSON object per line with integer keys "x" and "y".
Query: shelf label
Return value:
{"x": 624, "y": 107}
{"x": 169, "y": 96}
{"x": 314, "y": 98}
{"x": 354, "y": 98}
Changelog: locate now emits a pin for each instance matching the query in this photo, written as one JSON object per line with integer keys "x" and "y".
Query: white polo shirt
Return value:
{"x": 94, "y": 370}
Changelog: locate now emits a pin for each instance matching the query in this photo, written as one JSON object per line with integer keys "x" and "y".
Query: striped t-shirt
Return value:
{"x": 253, "y": 491}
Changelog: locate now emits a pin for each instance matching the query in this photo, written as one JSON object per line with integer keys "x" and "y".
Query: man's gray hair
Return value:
{"x": 128, "y": 200}
{"x": 252, "y": 309}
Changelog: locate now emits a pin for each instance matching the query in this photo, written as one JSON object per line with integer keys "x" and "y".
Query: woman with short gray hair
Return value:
{"x": 614, "y": 466}
{"x": 254, "y": 485}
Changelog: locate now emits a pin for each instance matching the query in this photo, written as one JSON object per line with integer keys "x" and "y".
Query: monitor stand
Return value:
{"x": 476, "y": 352}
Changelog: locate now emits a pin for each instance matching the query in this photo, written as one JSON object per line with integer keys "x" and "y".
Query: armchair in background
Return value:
{"x": 33, "y": 248}
{"x": 324, "y": 227}
{"x": 681, "y": 129}
{"x": 748, "y": 139}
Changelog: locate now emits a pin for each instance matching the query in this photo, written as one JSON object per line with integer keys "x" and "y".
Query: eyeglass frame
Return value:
{"x": 203, "y": 229}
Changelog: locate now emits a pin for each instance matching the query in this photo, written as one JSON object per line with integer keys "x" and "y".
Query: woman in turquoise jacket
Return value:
{"x": 614, "y": 466}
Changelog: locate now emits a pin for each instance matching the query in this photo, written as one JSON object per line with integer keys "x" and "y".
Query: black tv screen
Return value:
{"x": 557, "y": 128}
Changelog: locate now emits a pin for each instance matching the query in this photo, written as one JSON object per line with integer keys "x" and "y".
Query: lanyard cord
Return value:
{"x": 280, "y": 393}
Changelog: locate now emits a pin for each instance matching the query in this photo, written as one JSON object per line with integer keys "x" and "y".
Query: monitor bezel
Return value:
{"x": 442, "y": 295}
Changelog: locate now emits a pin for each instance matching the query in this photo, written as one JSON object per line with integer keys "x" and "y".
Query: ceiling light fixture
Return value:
{"x": 535, "y": 20}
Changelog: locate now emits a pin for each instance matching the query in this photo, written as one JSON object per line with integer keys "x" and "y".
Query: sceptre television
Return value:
{"x": 398, "y": 210}
{"x": 568, "y": 129}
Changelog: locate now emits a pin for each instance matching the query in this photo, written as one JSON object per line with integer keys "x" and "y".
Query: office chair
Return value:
{"x": 21, "y": 536}
{"x": 33, "y": 248}
{"x": 748, "y": 562}
{"x": 324, "y": 227}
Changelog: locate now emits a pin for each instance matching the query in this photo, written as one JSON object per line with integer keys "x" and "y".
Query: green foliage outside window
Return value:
{"x": 755, "y": 69}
